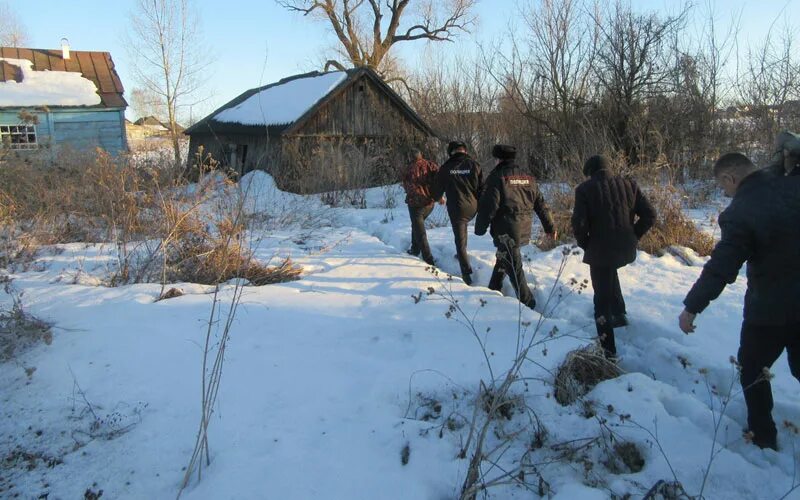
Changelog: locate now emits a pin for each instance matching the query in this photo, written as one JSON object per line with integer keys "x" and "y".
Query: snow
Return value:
{"x": 47, "y": 88}
{"x": 283, "y": 103}
{"x": 328, "y": 378}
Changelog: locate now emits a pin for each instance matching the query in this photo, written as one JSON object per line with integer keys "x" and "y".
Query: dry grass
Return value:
{"x": 20, "y": 330}
{"x": 560, "y": 202}
{"x": 581, "y": 370}
{"x": 673, "y": 228}
{"x": 162, "y": 233}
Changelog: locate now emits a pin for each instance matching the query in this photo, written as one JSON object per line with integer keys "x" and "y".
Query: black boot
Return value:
{"x": 765, "y": 441}
{"x": 619, "y": 320}
{"x": 606, "y": 335}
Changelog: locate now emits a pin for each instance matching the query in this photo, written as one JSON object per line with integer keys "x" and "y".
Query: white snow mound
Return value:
{"x": 283, "y": 103}
{"x": 47, "y": 88}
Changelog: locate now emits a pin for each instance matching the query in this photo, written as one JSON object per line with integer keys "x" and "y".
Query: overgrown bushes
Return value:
{"x": 672, "y": 227}
{"x": 164, "y": 230}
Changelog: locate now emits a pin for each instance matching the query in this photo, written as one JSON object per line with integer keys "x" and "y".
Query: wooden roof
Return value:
{"x": 95, "y": 66}
{"x": 209, "y": 125}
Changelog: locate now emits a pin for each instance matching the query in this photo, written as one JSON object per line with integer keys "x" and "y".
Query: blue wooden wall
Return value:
{"x": 79, "y": 128}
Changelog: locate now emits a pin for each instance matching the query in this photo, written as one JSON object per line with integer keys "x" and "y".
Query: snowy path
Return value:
{"x": 321, "y": 374}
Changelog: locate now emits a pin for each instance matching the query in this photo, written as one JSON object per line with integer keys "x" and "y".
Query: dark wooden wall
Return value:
{"x": 360, "y": 110}
{"x": 358, "y": 139}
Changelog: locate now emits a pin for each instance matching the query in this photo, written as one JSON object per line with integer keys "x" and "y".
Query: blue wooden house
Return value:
{"x": 51, "y": 98}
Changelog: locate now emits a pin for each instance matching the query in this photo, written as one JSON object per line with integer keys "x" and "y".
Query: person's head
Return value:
{"x": 503, "y": 152}
{"x": 787, "y": 150}
{"x": 455, "y": 147}
{"x": 791, "y": 159}
{"x": 730, "y": 169}
{"x": 594, "y": 164}
{"x": 415, "y": 154}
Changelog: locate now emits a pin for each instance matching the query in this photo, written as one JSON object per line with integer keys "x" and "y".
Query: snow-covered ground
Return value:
{"x": 328, "y": 379}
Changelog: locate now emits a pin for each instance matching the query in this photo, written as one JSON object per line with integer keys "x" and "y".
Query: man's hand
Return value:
{"x": 686, "y": 321}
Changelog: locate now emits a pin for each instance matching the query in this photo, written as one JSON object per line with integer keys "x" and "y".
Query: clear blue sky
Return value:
{"x": 244, "y": 33}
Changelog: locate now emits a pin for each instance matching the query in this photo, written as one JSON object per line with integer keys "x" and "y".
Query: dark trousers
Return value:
{"x": 419, "y": 238}
{"x": 759, "y": 347}
{"x": 460, "y": 234}
{"x": 509, "y": 262}
{"x": 608, "y": 303}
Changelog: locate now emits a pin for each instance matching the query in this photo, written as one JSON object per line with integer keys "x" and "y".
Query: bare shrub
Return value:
{"x": 626, "y": 458}
{"x": 163, "y": 232}
{"x": 561, "y": 201}
{"x": 20, "y": 330}
{"x": 581, "y": 370}
{"x": 672, "y": 227}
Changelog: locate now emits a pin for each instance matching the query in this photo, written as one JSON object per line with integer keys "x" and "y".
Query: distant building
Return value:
{"x": 146, "y": 130}
{"x": 315, "y": 132}
{"x": 60, "y": 98}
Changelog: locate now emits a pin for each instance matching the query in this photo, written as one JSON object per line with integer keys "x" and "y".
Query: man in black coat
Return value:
{"x": 759, "y": 227}
{"x": 507, "y": 205}
{"x": 461, "y": 179}
{"x": 611, "y": 214}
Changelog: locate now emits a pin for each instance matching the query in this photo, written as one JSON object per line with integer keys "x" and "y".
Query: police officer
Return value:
{"x": 506, "y": 205}
{"x": 461, "y": 180}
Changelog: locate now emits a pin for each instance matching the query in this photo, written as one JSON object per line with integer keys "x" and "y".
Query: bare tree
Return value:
{"x": 164, "y": 43}
{"x": 770, "y": 84}
{"x": 12, "y": 31}
{"x": 366, "y": 39}
{"x": 457, "y": 97}
{"x": 545, "y": 79}
{"x": 146, "y": 103}
{"x": 633, "y": 65}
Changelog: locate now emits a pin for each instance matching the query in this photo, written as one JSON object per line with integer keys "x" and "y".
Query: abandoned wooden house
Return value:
{"x": 60, "y": 98}
{"x": 315, "y": 132}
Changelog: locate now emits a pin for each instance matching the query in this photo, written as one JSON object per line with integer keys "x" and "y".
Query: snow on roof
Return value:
{"x": 282, "y": 103}
{"x": 47, "y": 88}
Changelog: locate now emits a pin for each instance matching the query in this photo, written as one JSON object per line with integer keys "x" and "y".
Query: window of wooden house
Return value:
{"x": 18, "y": 136}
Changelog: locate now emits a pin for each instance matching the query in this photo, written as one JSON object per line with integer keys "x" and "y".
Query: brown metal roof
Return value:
{"x": 95, "y": 66}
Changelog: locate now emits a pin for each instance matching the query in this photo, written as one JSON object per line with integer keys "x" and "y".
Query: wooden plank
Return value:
{"x": 9, "y": 52}
{"x": 87, "y": 66}
{"x": 86, "y": 116}
{"x": 25, "y": 54}
{"x": 72, "y": 63}
{"x": 40, "y": 60}
{"x": 56, "y": 60}
{"x": 114, "y": 76}
{"x": 7, "y": 72}
{"x": 103, "y": 72}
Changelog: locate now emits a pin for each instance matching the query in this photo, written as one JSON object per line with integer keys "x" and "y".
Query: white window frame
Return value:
{"x": 8, "y": 131}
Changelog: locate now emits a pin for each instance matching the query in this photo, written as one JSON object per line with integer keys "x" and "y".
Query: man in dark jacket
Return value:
{"x": 606, "y": 227}
{"x": 461, "y": 180}
{"x": 507, "y": 205}
{"x": 759, "y": 227}
{"x": 417, "y": 181}
{"x": 786, "y": 161}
